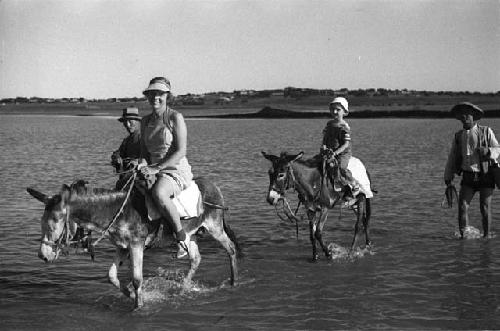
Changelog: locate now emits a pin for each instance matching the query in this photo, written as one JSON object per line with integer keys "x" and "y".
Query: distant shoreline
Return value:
{"x": 267, "y": 112}
{"x": 274, "y": 113}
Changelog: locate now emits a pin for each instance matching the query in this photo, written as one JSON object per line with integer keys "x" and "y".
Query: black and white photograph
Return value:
{"x": 250, "y": 165}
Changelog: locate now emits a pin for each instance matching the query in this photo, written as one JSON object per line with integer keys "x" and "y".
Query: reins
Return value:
{"x": 215, "y": 206}
{"x": 289, "y": 215}
{"x": 64, "y": 240}
{"x": 119, "y": 212}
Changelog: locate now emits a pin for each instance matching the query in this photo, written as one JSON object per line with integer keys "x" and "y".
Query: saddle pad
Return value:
{"x": 359, "y": 173}
{"x": 187, "y": 202}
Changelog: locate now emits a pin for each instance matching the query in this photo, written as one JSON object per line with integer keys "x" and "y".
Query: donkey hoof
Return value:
{"x": 138, "y": 306}
{"x": 315, "y": 258}
{"x": 126, "y": 291}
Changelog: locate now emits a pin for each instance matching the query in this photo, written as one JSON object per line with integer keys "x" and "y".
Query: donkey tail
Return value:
{"x": 370, "y": 179}
{"x": 230, "y": 233}
{"x": 368, "y": 208}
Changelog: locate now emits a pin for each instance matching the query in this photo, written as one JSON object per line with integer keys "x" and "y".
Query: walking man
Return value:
{"x": 473, "y": 155}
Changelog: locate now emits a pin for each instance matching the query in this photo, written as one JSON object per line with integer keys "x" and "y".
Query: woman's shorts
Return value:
{"x": 176, "y": 179}
{"x": 477, "y": 181}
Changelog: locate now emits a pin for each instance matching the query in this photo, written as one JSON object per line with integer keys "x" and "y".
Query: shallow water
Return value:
{"x": 417, "y": 275}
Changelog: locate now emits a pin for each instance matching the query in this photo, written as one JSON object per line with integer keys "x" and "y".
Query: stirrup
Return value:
{"x": 350, "y": 201}
{"x": 181, "y": 251}
{"x": 183, "y": 247}
{"x": 337, "y": 187}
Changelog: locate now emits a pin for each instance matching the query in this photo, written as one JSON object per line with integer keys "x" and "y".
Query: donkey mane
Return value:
{"x": 99, "y": 199}
{"x": 313, "y": 162}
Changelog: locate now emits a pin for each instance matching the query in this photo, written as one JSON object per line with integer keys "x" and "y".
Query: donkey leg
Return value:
{"x": 319, "y": 230}
{"x": 136, "y": 261}
{"x": 366, "y": 221}
{"x": 216, "y": 229}
{"x": 356, "y": 230}
{"x": 120, "y": 256}
{"x": 195, "y": 258}
{"x": 360, "y": 214}
{"x": 312, "y": 230}
{"x": 230, "y": 248}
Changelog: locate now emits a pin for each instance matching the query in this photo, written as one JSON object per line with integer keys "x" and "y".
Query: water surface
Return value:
{"x": 418, "y": 275}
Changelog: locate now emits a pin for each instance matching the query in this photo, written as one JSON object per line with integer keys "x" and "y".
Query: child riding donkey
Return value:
{"x": 336, "y": 151}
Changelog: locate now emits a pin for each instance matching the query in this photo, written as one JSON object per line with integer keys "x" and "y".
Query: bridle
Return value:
{"x": 64, "y": 240}
{"x": 283, "y": 182}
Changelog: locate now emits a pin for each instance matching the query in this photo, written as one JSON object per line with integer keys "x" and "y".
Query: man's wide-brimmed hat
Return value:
{"x": 343, "y": 102}
{"x": 130, "y": 113}
{"x": 477, "y": 112}
{"x": 158, "y": 84}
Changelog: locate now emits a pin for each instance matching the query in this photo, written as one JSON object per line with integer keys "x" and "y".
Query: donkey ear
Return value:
{"x": 270, "y": 157}
{"x": 38, "y": 195}
{"x": 65, "y": 192}
{"x": 295, "y": 157}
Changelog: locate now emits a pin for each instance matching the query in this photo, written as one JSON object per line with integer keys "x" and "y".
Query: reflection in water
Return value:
{"x": 476, "y": 298}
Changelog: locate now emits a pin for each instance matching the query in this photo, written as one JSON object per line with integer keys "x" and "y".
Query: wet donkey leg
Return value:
{"x": 319, "y": 229}
{"x": 136, "y": 262}
{"x": 120, "y": 255}
{"x": 312, "y": 230}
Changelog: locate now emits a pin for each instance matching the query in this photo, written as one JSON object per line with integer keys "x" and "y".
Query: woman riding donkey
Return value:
{"x": 337, "y": 150}
{"x": 163, "y": 155}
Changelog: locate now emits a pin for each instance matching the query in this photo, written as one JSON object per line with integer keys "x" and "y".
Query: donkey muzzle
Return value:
{"x": 273, "y": 197}
{"x": 46, "y": 253}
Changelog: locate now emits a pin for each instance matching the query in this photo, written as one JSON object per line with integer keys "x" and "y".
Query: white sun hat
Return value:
{"x": 343, "y": 102}
{"x": 158, "y": 84}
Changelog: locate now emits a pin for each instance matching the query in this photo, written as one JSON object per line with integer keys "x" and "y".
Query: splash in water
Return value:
{"x": 169, "y": 285}
{"x": 165, "y": 286}
{"x": 339, "y": 252}
{"x": 471, "y": 232}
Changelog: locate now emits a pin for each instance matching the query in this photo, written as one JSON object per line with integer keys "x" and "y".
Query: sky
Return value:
{"x": 103, "y": 48}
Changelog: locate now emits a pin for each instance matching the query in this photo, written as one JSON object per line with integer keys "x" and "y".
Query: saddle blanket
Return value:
{"x": 359, "y": 173}
{"x": 187, "y": 203}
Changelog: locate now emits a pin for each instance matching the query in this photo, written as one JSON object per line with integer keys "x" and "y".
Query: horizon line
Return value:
{"x": 276, "y": 89}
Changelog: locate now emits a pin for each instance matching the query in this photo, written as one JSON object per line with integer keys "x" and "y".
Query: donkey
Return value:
{"x": 74, "y": 207}
{"x": 317, "y": 196}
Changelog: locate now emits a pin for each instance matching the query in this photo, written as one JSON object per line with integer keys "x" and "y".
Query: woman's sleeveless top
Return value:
{"x": 158, "y": 138}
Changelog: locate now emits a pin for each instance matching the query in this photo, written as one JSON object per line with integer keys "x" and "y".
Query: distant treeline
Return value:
{"x": 268, "y": 112}
{"x": 243, "y": 95}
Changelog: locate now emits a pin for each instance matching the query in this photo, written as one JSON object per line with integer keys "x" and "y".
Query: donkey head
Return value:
{"x": 280, "y": 175}
{"x": 54, "y": 223}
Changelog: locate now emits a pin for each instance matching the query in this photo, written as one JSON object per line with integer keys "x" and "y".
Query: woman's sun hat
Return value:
{"x": 130, "y": 113}
{"x": 158, "y": 84}
{"x": 477, "y": 112}
{"x": 343, "y": 102}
